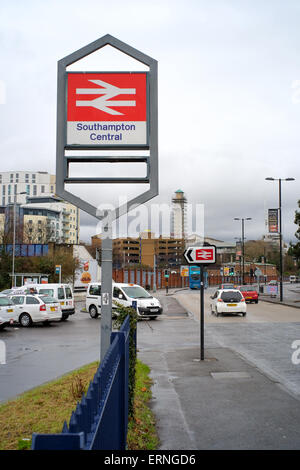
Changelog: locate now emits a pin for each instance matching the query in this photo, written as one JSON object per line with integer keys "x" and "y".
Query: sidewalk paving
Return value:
{"x": 220, "y": 403}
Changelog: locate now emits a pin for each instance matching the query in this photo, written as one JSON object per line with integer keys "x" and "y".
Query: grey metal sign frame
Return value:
{"x": 63, "y": 161}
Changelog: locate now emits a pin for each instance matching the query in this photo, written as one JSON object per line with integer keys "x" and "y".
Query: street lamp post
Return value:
{"x": 280, "y": 233}
{"x": 243, "y": 246}
{"x": 14, "y": 241}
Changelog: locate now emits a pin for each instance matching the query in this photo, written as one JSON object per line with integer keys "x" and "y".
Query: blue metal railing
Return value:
{"x": 101, "y": 418}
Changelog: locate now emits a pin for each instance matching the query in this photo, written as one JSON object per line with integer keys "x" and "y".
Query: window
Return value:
{"x": 52, "y": 189}
{"x": 9, "y": 189}
{"x": 28, "y": 189}
{"x": 11, "y": 177}
{"x": 32, "y": 301}
{"x": 3, "y": 201}
{"x": 15, "y": 189}
{"x": 231, "y": 296}
{"x": 27, "y": 178}
{"x": 5, "y": 302}
{"x": 69, "y": 293}
{"x": 3, "y": 189}
{"x": 117, "y": 293}
{"x": 49, "y": 292}
{"x": 33, "y": 178}
{"x": 60, "y": 293}
{"x": 95, "y": 290}
{"x": 34, "y": 190}
{"x": 18, "y": 300}
{"x": 42, "y": 189}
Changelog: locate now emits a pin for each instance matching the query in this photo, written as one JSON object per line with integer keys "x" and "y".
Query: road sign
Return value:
{"x": 57, "y": 268}
{"x": 107, "y": 109}
{"x": 184, "y": 271}
{"x": 258, "y": 272}
{"x": 201, "y": 255}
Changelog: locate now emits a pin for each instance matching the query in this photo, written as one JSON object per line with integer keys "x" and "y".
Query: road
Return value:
{"x": 264, "y": 337}
{"x": 41, "y": 353}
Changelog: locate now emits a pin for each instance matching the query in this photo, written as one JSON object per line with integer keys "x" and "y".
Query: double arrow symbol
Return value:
{"x": 198, "y": 255}
{"x": 108, "y": 91}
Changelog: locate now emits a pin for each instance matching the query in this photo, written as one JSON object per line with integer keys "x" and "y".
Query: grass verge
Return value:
{"x": 45, "y": 408}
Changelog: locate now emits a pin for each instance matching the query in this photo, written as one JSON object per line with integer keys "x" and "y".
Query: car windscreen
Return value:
{"x": 48, "y": 299}
{"x": 136, "y": 292}
{"x": 47, "y": 292}
{"x": 231, "y": 296}
{"x": 4, "y": 301}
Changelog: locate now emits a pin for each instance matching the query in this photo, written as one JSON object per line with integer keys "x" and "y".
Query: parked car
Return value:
{"x": 294, "y": 279}
{"x": 7, "y": 312}
{"x": 36, "y": 308}
{"x": 62, "y": 292}
{"x": 124, "y": 294}
{"x": 6, "y": 291}
{"x": 228, "y": 301}
{"x": 249, "y": 293}
{"x": 227, "y": 285}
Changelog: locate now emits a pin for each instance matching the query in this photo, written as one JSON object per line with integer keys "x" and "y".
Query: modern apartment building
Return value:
{"x": 40, "y": 220}
{"x": 30, "y": 183}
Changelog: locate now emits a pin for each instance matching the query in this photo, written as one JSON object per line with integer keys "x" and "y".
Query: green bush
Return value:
{"x": 123, "y": 312}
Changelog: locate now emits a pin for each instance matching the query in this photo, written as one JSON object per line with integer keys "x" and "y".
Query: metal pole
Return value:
{"x": 154, "y": 274}
{"x": 201, "y": 314}
{"x": 243, "y": 252}
{"x": 280, "y": 244}
{"x": 14, "y": 245}
{"x": 106, "y": 289}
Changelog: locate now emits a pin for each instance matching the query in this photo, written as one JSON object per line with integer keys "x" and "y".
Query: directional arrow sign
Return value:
{"x": 201, "y": 255}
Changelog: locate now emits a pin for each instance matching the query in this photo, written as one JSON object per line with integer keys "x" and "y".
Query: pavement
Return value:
{"x": 222, "y": 403}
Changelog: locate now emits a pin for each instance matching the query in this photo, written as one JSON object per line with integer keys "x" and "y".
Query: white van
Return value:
{"x": 62, "y": 292}
{"x": 294, "y": 279}
{"x": 124, "y": 294}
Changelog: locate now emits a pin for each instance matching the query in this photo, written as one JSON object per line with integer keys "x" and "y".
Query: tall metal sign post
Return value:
{"x": 106, "y": 111}
{"x": 201, "y": 256}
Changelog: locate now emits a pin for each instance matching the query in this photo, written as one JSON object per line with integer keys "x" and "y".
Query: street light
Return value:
{"x": 239, "y": 240}
{"x": 14, "y": 240}
{"x": 243, "y": 245}
{"x": 280, "y": 233}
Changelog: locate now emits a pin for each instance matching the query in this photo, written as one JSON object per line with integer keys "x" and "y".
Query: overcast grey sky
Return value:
{"x": 229, "y": 97}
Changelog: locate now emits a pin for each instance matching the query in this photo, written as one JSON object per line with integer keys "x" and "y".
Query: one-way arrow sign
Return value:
{"x": 201, "y": 254}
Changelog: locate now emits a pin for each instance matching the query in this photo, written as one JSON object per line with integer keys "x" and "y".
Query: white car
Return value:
{"x": 124, "y": 294}
{"x": 36, "y": 308}
{"x": 7, "y": 314}
{"x": 228, "y": 301}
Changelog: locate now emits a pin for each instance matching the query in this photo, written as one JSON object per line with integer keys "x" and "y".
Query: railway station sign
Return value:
{"x": 201, "y": 254}
{"x": 107, "y": 109}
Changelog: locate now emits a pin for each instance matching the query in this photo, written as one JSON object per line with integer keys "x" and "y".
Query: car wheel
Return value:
{"x": 2, "y": 327}
{"x": 64, "y": 317}
{"x": 25, "y": 320}
{"x": 244, "y": 314}
{"x": 153, "y": 318}
{"x": 93, "y": 311}
{"x": 256, "y": 301}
